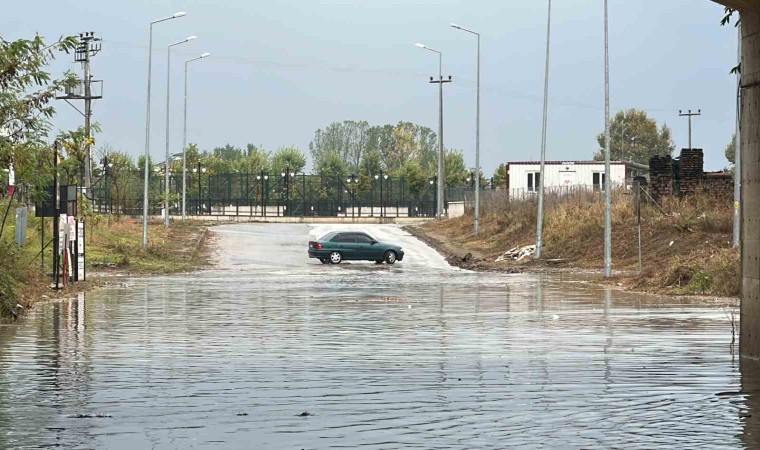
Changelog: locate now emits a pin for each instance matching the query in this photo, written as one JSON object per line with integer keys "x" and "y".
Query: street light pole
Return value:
{"x": 184, "y": 140}
{"x": 540, "y": 217}
{"x": 607, "y": 181}
{"x": 147, "y": 127}
{"x": 476, "y": 222}
{"x": 168, "y": 156}
{"x": 440, "y": 81}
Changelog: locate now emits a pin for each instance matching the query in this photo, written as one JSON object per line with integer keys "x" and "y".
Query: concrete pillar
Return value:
{"x": 750, "y": 154}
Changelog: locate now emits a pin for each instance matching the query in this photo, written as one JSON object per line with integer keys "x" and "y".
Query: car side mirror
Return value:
{"x": 373, "y": 243}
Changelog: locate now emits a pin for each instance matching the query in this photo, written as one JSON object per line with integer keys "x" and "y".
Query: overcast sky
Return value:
{"x": 280, "y": 69}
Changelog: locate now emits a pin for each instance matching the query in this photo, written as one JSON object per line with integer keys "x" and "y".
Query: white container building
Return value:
{"x": 525, "y": 175}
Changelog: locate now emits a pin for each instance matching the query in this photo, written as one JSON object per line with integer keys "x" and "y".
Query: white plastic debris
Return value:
{"x": 517, "y": 253}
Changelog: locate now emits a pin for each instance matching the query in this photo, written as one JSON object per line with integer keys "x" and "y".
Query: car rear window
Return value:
{"x": 344, "y": 237}
{"x": 328, "y": 236}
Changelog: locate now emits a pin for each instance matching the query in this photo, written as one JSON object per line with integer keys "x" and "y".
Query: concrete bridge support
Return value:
{"x": 750, "y": 154}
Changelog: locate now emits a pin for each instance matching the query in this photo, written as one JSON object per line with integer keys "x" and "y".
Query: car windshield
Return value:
{"x": 328, "y": 236}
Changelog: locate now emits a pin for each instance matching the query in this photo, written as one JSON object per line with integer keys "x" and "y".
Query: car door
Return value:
{"x": 345, "y": 243}
{"x": 365, "y": 248}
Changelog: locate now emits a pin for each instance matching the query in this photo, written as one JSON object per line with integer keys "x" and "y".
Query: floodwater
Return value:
{"x": 418, "y": 355}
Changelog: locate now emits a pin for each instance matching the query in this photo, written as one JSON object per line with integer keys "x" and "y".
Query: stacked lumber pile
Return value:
{"x": 660, "y": 176}
{"x": 691, "y": 170}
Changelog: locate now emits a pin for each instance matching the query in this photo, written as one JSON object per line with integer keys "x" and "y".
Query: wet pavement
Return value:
{"x": 418, "y": 355}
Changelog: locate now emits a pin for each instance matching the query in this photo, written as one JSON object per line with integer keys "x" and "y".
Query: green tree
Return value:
{"x": 26, "y": 91}
{"x": 371, "y": 162}
{"x": 730, "y": 151}
{"x": 331, "y": 166}
{"x": 500, "y": 175}
{"x": 120, "y": 177}
{"x": 416, "y": 179}
{"x": 635, "y": 137}
{"x": 255, "y": 161}
{"x": 227, "y": 153}
{"x": 288, "y": 157}
{"x": 454, "y": 168}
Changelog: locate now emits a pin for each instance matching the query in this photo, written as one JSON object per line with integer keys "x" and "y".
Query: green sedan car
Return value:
{"x": 336, "y": 247}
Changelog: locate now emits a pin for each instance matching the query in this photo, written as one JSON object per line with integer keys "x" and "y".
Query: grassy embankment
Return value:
{"x": 686, "y": 243}
{"x": 113, "y": 245}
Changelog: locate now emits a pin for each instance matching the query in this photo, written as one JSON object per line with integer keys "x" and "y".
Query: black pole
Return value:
{"x": 264, "y": 193}
{"x": 56, "y": 200}
{"x": 287, "y": 191}
{"x": 199, "y": 187}
{"x": 42, "y": 242}
{"x": 382, "y": 205}
{"x": 303, "y": 193}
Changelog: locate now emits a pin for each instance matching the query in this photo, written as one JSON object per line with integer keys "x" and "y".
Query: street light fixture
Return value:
{"x": 147, "y": 125}
{"x": 476, "y": 222}
{"x": 440, "y": 81}
{"x": 184, "y": 139}
{"x": 168, "y": 156}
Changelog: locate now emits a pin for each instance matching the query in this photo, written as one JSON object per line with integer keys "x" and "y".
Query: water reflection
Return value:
{"x": 446, "y": 360}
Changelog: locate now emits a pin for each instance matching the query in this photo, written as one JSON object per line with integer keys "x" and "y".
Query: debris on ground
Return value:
{"x": 90, "y": 416}
{"x": 242, "y": 414}
{"x": 305, "y": 414}
{"x": 517, "y": 253}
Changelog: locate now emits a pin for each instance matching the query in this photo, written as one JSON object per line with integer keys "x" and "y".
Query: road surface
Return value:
{"x": 273, "y": 350}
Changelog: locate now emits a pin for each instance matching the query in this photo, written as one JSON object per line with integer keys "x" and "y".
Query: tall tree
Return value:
{"x": 228, "y": 153}
{"x": 455, "y": 168}
{"x": 255, "y": 160}
{"x": 371, "y": 163}
{"x": 730, "y": 150}
{"x": 26, "y": 91}
{"x": 288, "y": 157}
{"x": 634, "y": 136}
{"x": 500, "y": 175}
{"x": 331, "y": 166}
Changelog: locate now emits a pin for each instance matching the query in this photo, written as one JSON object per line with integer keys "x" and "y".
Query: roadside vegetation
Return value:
{"x": 114, "y": 247}
{"x": 686, "y": 242}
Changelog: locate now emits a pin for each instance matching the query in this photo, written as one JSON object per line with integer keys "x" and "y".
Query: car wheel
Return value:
{"x": 336, "y": 258}
{"x": 390, "y": 257}
{"x": 324, "y": 260}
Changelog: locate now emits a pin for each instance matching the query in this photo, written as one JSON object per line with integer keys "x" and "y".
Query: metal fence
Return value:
{"x": 264, "y": 195}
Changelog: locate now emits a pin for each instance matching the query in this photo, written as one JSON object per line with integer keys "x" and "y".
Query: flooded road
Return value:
{"x": 273, "y": 350}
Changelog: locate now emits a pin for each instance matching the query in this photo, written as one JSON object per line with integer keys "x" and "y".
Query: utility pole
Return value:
{"x": 89, "y": 46}
{"x": 690, "y": 115}
{"x": 440, "y": 81}
{"x": 441, "y": 176}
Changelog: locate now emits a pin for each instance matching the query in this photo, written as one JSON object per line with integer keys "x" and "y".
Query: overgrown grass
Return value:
{"x": 112, "y": 244}
{"x": 685, "y": 241}
{"x": 117, "y": 244}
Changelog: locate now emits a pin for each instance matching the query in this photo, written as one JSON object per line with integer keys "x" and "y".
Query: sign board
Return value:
{"x": 67, "y": 198}
{"x": 21, "y": 222}
{"x": 80, "y": 251}
{"x": 72, "y": 222}
{"x": 62, "y": 233}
